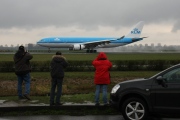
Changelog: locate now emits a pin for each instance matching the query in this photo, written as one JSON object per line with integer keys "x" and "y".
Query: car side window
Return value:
{"x": 172, "y": 76}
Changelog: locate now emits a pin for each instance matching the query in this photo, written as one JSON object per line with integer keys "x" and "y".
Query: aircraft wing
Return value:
{"x": 100, "y": 42}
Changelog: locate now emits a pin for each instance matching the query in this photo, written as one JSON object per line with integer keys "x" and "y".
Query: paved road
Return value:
{"x": 63, "y": 117}
{"x": 60, "y": 117}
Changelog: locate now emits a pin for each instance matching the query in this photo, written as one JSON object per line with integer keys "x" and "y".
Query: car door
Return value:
{"x": 167, "y": 98}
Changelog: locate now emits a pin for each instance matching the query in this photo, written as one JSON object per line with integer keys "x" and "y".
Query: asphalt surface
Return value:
{"x": 62, "y": 117}
{"x": 23, "y": 105}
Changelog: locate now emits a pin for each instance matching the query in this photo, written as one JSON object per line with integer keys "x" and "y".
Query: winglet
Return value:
{"x": 136, "y": 31}
{"x": 121, "y": 37}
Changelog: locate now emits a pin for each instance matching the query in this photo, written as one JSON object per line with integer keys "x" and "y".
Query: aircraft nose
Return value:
{"x": 39, "y": 42}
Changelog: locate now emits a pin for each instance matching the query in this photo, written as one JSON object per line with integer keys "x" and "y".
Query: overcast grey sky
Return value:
{"x": 27, "y": 21}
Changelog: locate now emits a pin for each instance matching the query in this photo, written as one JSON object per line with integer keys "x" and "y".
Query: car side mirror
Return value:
{"x": 161, "y": 81}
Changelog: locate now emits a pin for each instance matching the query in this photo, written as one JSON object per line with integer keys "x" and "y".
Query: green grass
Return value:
{"x": 74, "y": 82}
{"x": 114, "y": 56}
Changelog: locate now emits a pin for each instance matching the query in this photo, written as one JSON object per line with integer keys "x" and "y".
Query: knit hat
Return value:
{"x": 21, "y": 48}
{"x": 58, "y": 53}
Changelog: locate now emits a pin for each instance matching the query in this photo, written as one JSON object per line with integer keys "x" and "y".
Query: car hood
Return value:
{"x": 136, "y": 83}
{"x": 133, "y": 80}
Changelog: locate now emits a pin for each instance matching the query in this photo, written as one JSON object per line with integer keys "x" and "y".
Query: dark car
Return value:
{"x": 160, "y": 94}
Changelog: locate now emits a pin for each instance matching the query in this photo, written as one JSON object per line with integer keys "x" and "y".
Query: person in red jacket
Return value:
{"x": 102, "y": 76}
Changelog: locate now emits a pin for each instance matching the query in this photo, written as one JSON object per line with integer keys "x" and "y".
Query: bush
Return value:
{"x": 6, "y": 66}
{"x": 80, "y": 66}
{"x": 118, "y": 65}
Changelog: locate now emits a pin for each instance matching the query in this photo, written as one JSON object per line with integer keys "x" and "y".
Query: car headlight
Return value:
{"x": 115, "y": 88}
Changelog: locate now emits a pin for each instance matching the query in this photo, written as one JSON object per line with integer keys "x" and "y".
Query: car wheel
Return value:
{"x": 134, "y": 109}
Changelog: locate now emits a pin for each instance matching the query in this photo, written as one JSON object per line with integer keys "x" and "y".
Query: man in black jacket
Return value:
{"x": 58, "y": 64}
{"x": 22, "y": 70}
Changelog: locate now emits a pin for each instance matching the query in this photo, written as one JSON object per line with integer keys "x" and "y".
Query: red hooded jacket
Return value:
{"x": 102, "y": 66}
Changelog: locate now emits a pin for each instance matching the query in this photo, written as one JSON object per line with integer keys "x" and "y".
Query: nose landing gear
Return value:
{"x": 49, "y": 50}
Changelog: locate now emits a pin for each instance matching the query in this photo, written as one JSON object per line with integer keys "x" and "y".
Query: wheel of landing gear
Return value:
{"x": 134, "y": 109}
{"x": 87, "y": 51}
{"x": 91, "y": 51}
{"x": 49, "y": 50}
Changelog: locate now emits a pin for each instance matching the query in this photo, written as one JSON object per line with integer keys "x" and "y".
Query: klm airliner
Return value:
{"x": 91, "y": 43}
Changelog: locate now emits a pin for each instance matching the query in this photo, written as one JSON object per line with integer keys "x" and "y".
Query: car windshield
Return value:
{"x": 172, "y": 76}
{"x": 163, "y": 71}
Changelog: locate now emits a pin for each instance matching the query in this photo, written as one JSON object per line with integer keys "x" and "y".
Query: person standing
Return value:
{"x": 58, "y": 64}
{"x": 102, "y": 76}
{"x": 22, "y": 70}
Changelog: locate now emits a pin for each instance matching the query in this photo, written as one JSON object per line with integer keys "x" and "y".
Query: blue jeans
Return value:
{"x": 27, "y": 79}
{"x": 56, "y": 82}
{"x": 97, "y": 93}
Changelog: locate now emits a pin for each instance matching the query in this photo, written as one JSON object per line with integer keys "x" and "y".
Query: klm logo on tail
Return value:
{"x": 135, "y": 31}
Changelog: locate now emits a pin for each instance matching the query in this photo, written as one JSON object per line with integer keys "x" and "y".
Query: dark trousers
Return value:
{"x": 56, "y": 83}
{"x": 27, "y": 79}
{"x": 104, "y": 91}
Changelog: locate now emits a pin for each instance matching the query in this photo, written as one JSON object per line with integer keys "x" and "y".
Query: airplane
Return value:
{"x": 91, "y": 43}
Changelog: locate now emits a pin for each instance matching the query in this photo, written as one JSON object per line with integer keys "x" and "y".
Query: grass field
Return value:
{"x": 74, "y": 82}
{"x": 111, "y": 56}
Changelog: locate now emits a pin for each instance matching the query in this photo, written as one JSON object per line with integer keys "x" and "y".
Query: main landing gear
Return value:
{"x": 91, "y": 51}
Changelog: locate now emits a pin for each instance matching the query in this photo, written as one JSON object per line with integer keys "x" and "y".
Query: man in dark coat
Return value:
{"x": 58, "y": 64}
{"x": 102, "y": 76}
{"x": 22, "y": 70}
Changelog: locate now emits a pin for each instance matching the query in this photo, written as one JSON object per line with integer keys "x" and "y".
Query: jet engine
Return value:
{"x": 78, "y": 47}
